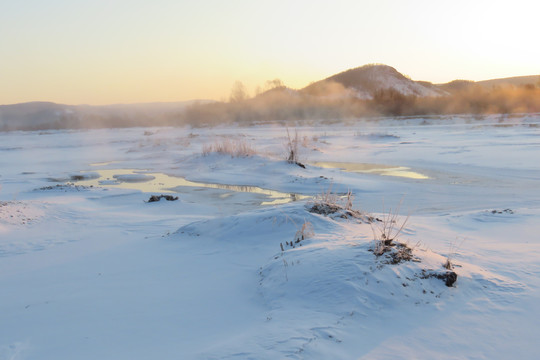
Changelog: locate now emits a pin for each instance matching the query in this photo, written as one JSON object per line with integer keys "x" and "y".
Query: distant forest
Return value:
{"x": 281, "y": 103}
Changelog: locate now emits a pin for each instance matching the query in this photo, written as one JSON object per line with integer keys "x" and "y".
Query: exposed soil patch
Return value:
{"x": 505, "y": 211}
{"x": 449, "y": 277}
{"x": 155, "y": 198}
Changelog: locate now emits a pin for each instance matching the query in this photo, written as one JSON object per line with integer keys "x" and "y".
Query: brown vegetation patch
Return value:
{"x": 66, "y": 187}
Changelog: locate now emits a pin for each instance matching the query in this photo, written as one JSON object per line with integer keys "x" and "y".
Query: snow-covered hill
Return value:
{"x": 363, "y": 82}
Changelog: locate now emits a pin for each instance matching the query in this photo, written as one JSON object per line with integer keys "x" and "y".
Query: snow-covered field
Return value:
{"x": 90, "y": 269}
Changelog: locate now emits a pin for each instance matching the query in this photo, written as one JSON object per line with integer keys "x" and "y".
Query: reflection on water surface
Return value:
{"x": 158, "y": 182}
{"x": 379, "y": 169}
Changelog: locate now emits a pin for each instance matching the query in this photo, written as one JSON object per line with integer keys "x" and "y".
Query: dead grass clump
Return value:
{"x": 234, "y": 148}
{"x": 386, "y": 232}
{"x": 401, "y": 252}
{"x": 396, "y": 253}
{"x": 324, "y": 208}
{"x": 331, "y": 204}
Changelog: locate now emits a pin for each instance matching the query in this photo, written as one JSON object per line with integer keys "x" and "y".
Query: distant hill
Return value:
{"x": 47, "y": 115}
{"x": 456, "y": 85}
{"x": 363, "y": 82}
{"x": 32, "y": 115}
{"x": 517, "y": 81}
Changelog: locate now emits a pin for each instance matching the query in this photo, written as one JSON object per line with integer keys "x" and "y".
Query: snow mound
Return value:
{"x": 335, "y": 268}
{"x": 340, "y": 272}
{"x": 264, "y": 227}
{"x": 315, "y": 291}
{"x": 18, "y": 221}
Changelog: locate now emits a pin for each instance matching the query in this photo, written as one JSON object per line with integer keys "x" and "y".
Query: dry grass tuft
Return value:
{"x": 234, "y": 148}
{"x": 302, "y": 233}
{"x": 327, "y": 197}
{"x": 334, "y": 200}
{"x": 449, "y": 263}
{"x": 305, "y": 232}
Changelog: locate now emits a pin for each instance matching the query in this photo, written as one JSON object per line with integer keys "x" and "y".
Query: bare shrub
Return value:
{"x": 349, "y": 198}
{"x": 234, "y": 148}
{"x": 387, "y": 230}
{"x": 292, "y": 147}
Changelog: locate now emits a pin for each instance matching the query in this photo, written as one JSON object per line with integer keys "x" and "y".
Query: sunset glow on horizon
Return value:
{"x": 105, "y": 52}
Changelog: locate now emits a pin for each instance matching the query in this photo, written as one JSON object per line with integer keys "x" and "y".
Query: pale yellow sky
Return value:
{"x": 120, "y": 51}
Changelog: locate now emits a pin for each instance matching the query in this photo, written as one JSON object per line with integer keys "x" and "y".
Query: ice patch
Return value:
{"x": 134, "y": 178}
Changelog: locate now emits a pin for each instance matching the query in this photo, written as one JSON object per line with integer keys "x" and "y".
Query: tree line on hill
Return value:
{"x": 282, "y": 103}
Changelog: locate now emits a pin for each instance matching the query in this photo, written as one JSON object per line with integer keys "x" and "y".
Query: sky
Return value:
{"x": 128, "y": 51}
